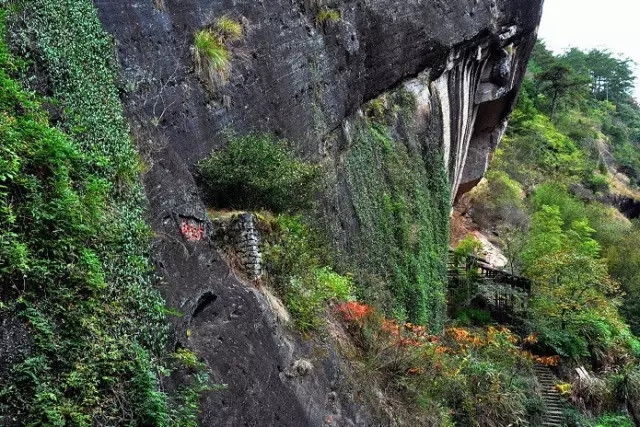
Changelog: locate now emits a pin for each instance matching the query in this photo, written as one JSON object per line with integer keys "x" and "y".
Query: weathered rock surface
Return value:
{"x": 297, "y": 79}
{"x": 462, "y": 59}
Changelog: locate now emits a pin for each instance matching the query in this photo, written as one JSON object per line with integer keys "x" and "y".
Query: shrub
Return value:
{"x": 614, "y": 420}
{"x": 328, "y": 16}
{"x": 464, "y": 286}
{"x": 334, "y": 285}
{"x": 598, "y": 182}
{"x": 296, "y": 265}
{"x": 470, "y": 316}
{"x": 255, "y": 172}
{"x": 467, "y": 247}
{"x": 573, "y": 418}
{"x": 482, "y": 376}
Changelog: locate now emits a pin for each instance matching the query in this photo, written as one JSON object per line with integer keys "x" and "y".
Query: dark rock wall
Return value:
{"x": 296, "y": 79}
{"x": 291, "y": 76}
{"x": 232, "y": 327}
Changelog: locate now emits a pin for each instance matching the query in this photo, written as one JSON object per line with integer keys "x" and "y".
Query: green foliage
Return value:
{"x": 560, "y": 81}
{"x": 573, "y": 418}
{"x": 619, "y": 241}
{"x": 536, "y": 151}
{"x": 552, "y": 194}
{"x": 575, "y": 251}
{"x": 401, "y": 201}
{"x": 598, "y": 183}
{"x": 296, "y": 262}
{"x": 334, "y": 285}
{"x": 614, "y": 420}
{"x": 73, "y": 242}
{"x": 254, "y": 172}
{"x": 375, "y": 109}
{"x": 210, "y": 51}
{"x": 473, "y": 317}
{"x": 328, "y": 16}
{"x": 465, "y": 285}
{"x": 468, "y": 246}
{"x": 212, "y": 48}
{"x": 501, "y": 199}
{"x": 185, "y": 407}
{"x": 575, "y": 301}
{"x": 228, "y": 29}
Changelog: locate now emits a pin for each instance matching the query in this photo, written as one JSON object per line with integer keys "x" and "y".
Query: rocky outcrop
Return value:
{"x": 233, "y": 327}
{"x": 296, "y": 78}
{"x": 463, "y": 61}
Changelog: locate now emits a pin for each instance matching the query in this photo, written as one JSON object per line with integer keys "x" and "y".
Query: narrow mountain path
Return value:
{"x": 554, "y": 403}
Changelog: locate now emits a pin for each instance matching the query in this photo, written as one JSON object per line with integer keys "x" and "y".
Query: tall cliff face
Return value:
{"x": 450, "y": 68}
{"x": 299, "y": 79}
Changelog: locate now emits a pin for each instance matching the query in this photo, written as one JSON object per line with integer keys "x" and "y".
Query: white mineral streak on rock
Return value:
{"x": 441, "y": 86}
{"x": 456, "y": 90}
{"x": 466, "y": 115}
{"x": 419, "y": 88}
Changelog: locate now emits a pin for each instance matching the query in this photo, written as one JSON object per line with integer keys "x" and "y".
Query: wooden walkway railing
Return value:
{"x": 502, "y": 290}
{"x": 487, "y": 272}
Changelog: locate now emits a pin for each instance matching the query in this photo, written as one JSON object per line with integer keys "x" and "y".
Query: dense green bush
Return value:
{"x": 257, "y": 172}
{"x": 597, "y": 182}
{"x": 613, "y": 420}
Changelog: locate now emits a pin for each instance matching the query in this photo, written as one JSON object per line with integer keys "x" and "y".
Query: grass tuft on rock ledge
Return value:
{"x": 212, "y": 51}
{"x": 328, "y": 16}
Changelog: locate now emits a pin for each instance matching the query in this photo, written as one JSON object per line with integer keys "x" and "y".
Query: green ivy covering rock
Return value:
{"x": 401, "y": 199}
{"x": 73, "y": 243}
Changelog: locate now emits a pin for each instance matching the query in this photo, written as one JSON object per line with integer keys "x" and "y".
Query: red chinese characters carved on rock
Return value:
{"x": 192, "y": 232}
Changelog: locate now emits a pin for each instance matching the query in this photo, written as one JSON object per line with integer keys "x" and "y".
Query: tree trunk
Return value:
{"x": 554, "y": 103}
{"x": 633, "y": 412}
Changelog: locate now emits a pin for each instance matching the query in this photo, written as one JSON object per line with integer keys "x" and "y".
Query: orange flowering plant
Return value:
{"x": 469, "y": 371}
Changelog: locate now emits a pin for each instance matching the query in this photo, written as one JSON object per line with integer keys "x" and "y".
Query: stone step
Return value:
{"x": 553, "y": 400}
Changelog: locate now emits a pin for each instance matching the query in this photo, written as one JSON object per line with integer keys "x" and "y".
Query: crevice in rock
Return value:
{"x": 204, "y": 301}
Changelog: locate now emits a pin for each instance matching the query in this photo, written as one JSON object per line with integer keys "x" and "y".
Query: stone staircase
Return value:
{"x": 554, "y": 403}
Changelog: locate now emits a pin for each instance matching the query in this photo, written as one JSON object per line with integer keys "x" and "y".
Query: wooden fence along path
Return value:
{"x": 472, "y": 276}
